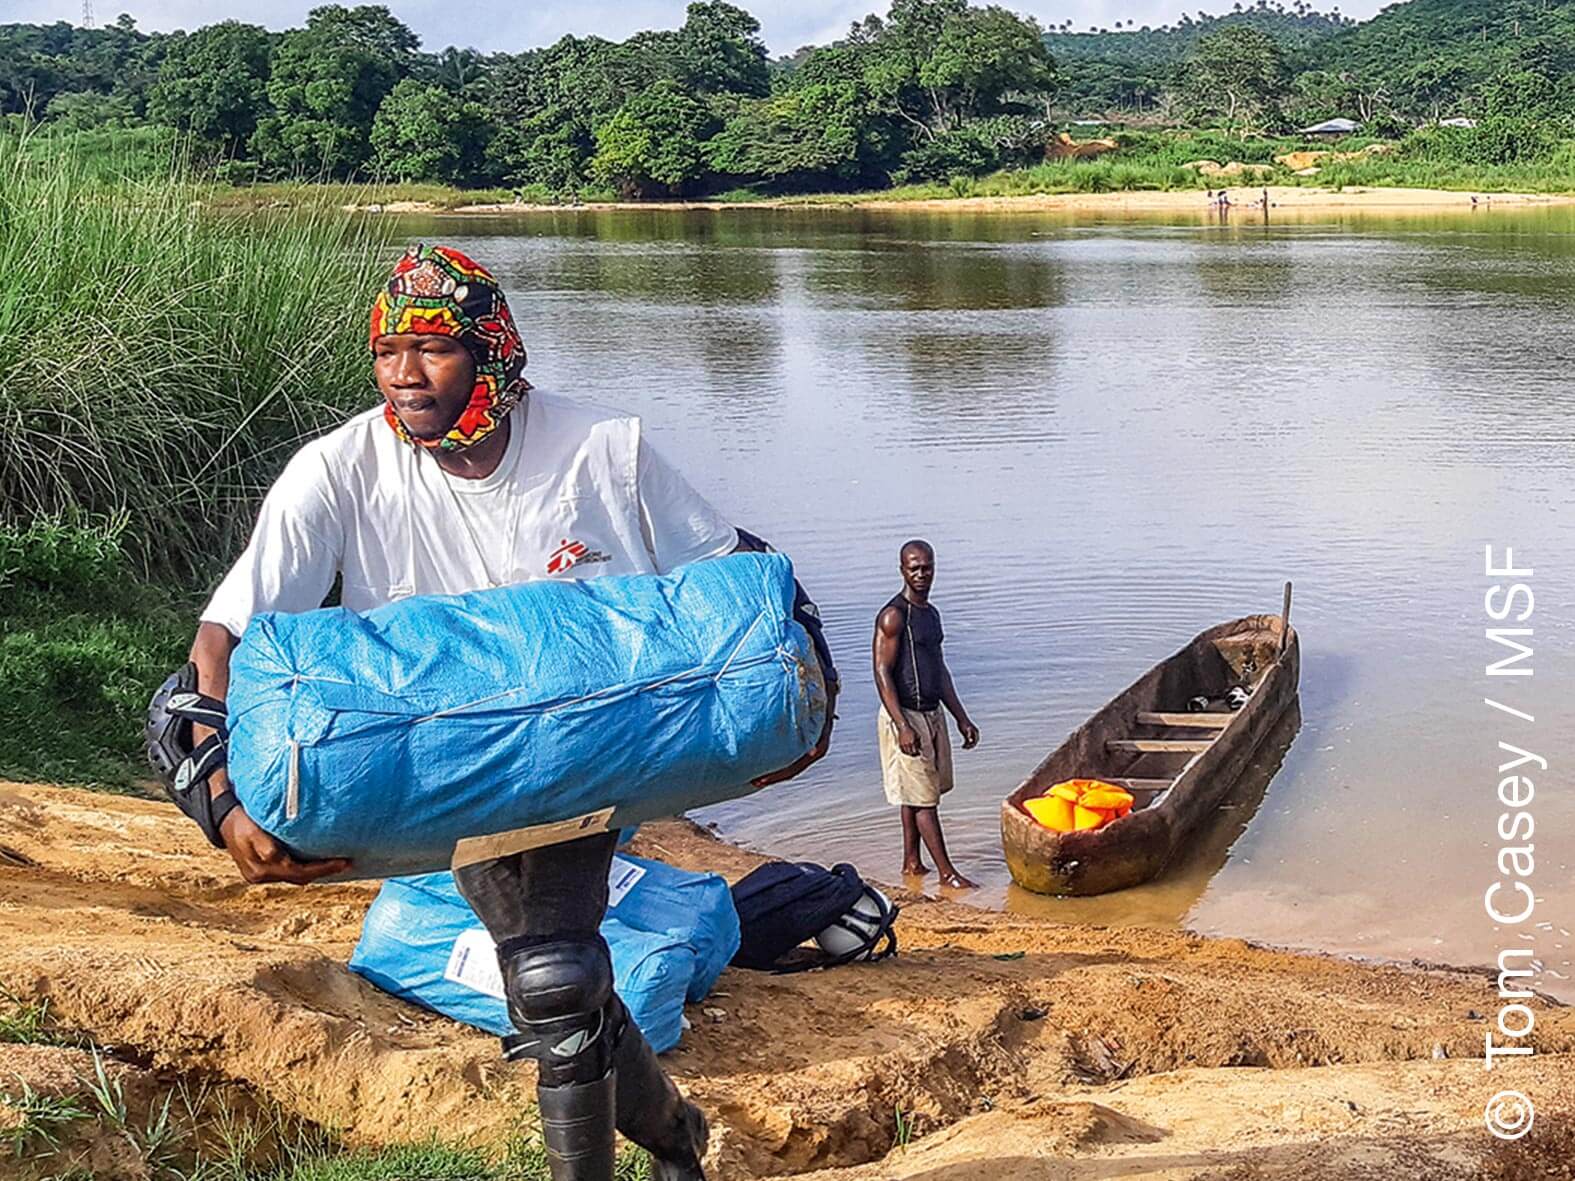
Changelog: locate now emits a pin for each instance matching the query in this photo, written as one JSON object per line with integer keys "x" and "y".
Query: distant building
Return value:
{"x": 1458, "y": 122}
{"x": 1331, "y": 128}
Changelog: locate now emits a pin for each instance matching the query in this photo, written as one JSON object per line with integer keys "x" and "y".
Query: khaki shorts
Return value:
{"x": 917, "y": 781}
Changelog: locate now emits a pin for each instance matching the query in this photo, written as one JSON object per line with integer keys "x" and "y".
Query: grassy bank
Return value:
{"x": 161, "y": 362}
{"x": 335, "y": 197}
{"x": 1167, "y": 162}
{"x": 71, "y": 1110}
{"x": 1145, "y": 161}
{"x": 1111, "y": 174}
{"x": 1115, "y": 175}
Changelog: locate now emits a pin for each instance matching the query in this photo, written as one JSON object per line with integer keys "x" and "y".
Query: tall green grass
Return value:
{"x": 1556, "y": 174}
{"x": 161, "y": 359}
{"x": 102, "y": 153}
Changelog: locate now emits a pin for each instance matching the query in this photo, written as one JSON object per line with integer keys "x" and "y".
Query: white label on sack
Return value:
{"x": 473, "y": 962}
{"x": 621, "y": 879}
{"x": 292, "y": 787}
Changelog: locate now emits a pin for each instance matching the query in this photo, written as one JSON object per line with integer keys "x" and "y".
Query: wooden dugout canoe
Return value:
{"x": 1177, "y": 765}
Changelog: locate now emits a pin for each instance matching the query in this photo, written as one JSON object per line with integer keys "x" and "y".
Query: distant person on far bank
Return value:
{"x": 913, "y": 682}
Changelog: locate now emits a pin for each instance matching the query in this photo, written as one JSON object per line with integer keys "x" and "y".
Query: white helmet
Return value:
{"x": 858, "y": 932}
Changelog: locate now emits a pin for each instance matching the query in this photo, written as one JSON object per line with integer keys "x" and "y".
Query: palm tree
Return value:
{"x": 458, "y": 68}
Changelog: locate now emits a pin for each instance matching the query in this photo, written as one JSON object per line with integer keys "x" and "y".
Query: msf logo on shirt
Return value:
{"x": 571, "y": 553}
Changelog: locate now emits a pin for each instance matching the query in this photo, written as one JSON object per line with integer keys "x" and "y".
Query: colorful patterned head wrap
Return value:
{"x": 436, "y": 289}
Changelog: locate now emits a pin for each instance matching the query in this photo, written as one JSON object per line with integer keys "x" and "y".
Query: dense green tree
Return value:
{"x": 937, "y": 63}
{"x": 1324, "y": 94}
{"x": 720, "y": 52}
{"x": 973, "y": 148}
{"x": 1430, "y": 87}
{"x": 825, "y": 126}
{"x": 40, "y": 62}
{"x": 983, "y": 56}
{"x": 1238, "y": 75}
{"x": 813, "y": 134}
{"x": 549, "y": 103}
{"x": 327, "y": 83}
{"x": 213, "y": 85}
{"x": 1510, "y": 139}
{"x": 937, "y": 87}
{"x": 1524, "y": 112}
{"x": 425, "y": 132}
{"x": 654, "y": 145}
{"x": 1523, "y": 94}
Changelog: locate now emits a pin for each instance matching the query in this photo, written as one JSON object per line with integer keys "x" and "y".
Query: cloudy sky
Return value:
{"x": 495, "y": 25}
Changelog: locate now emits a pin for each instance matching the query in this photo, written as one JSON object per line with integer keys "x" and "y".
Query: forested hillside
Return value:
{"x": 1416, "y": 59}
{"x": 1164, "y": 45}
{"x": 1429, "y": 55}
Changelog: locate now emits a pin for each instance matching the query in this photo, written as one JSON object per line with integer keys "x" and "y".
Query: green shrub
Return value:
{"x": 962, "y": 152}
{"x": 51, "y": 555}
{"x": 236, "y": 172}
{"x": 83, "y": 644}
{"x": 737, "y": 195}
{"x": 1495, "y": 141}
{"x": 537, "y": 193}
{"x": 1438, "y": 144}
{"x": 1511, "y": 139}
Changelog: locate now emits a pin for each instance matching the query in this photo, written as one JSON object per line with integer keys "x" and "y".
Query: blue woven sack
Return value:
{"x": 653, "y": 896}
{"x": 423, "y": 943}
{"x": 520, "y": 716}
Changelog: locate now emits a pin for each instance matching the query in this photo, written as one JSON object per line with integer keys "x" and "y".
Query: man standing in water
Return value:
{"x": 913, "y": 682}
{"x": 465, "y": 477}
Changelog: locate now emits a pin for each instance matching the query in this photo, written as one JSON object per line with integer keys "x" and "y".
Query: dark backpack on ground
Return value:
{"x": 782, "y": 904}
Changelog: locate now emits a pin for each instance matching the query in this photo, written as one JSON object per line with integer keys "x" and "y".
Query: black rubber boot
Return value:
{"x": 577, "y": 1129}
{"x": 654, "y": 1115}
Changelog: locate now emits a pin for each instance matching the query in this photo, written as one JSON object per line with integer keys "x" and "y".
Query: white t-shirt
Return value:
{"x": 578, "y": 494}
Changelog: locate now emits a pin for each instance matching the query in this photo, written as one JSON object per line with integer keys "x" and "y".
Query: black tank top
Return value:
{"x": 920, "y": 670}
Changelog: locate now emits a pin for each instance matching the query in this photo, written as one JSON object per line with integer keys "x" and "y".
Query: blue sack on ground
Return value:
{"x": 653, "y": 896}
{"x": 447, "y": 729}
{"x": 422, "y": 943}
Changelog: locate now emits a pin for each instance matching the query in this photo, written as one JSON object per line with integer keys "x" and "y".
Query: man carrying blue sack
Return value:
{"x": 467, "y": 478}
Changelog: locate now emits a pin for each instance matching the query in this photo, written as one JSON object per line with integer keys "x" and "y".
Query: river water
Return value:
{"x": 1117, "y": 433}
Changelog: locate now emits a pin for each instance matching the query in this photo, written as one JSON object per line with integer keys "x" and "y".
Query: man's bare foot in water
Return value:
{"x": 914, "y": 869}
{"x": 956, "y": 881}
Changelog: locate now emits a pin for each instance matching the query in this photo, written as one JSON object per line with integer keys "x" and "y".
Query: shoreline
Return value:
{"x": 1015, "y": 1048}
{"x": 1290, "y": 199}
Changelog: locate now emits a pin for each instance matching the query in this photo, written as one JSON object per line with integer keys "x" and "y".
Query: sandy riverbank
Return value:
{"x": 1298, "y": 200}
{"x": 1014, "y": 1048}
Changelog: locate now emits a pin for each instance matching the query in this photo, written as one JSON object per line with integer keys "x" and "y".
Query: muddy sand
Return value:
{"x": 1292, "y": 201}
{"x": 994, "y": 1048}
